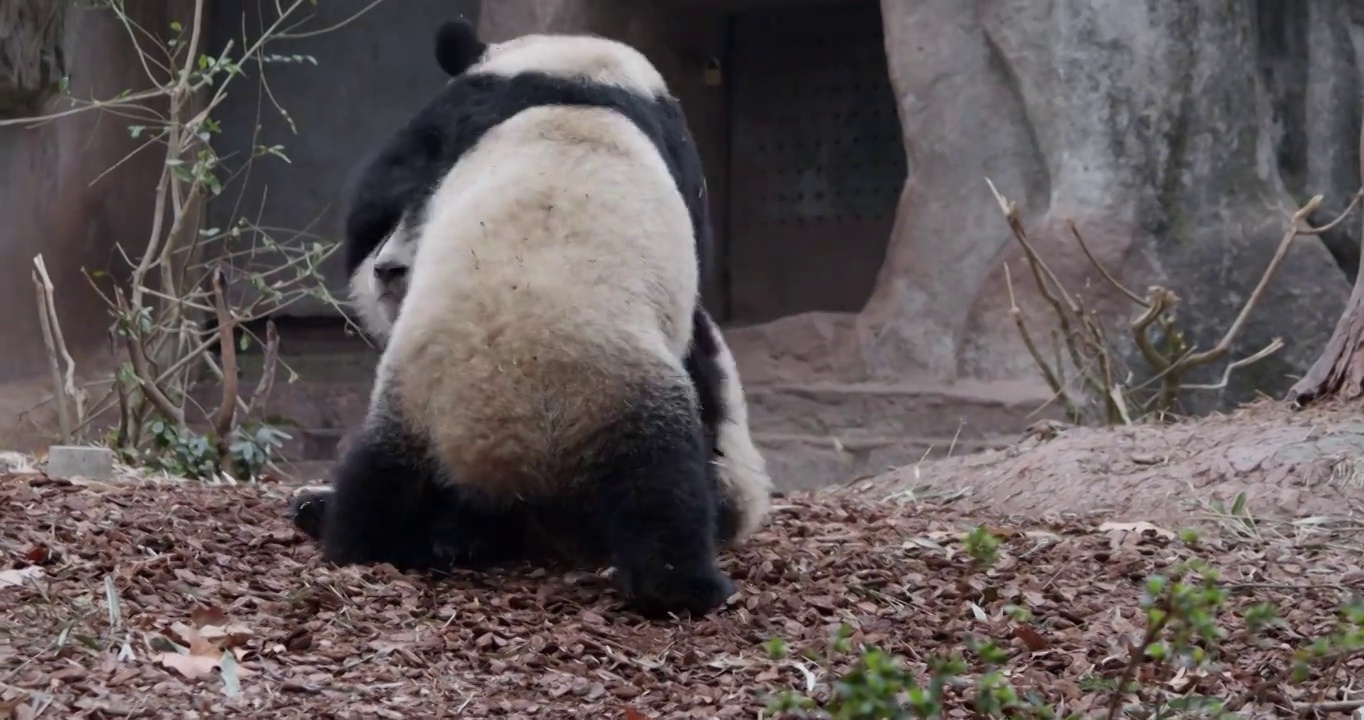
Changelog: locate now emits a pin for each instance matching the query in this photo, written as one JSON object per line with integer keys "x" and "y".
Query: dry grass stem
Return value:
{"x": 1093, "y": 356}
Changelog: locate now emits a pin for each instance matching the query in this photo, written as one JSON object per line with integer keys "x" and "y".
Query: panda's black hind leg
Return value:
{"x": 380, "y": 508}
{"x": 389, "y": 503}
{"x": 657, "y": 505}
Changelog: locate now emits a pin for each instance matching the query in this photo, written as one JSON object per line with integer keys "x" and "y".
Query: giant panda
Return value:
{"x": 533, "y": 391}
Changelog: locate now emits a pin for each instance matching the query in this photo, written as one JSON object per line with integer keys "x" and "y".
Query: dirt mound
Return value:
{"x": 266, "y": 630}
{"x": 1288, "y": 464}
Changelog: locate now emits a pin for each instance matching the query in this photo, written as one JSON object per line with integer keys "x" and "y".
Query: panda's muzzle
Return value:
{"x": 391, "y": 277}
{"x": 389, "y": 273}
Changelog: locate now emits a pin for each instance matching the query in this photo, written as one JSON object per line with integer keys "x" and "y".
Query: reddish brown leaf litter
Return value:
{"x": 197, "y": 601}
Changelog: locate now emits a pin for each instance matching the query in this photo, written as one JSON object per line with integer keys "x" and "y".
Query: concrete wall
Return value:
{"x": 51, "y": 202}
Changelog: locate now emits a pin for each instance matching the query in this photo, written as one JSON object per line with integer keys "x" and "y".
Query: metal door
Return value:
{"x": 816, "y": 159}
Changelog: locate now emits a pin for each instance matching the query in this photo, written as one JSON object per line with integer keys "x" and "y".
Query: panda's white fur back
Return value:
{"x": 554, "y": 278}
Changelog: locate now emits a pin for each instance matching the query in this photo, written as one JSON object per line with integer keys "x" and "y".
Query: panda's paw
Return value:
{"x": 307, "y": 509}
{"x": 662, "y": 593}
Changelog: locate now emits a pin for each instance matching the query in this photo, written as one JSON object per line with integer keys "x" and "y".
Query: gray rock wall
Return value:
{"x": 1176, "y": 135}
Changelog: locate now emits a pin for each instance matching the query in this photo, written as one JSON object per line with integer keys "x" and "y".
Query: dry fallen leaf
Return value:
{"x": 229, "y": 636}
{"x": 193, "y": 667}
{"x": 561, "y": 645}
{"x": 196, "y": 667}
{"x": 1030, "y": 638}
{"x": 203, "y": 615}
{"x": 12, "y": 578}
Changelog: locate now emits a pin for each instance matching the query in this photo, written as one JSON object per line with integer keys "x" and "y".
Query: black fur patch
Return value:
{"x": 390, "y": 503}
{"x": 649, "y": 511}
{"x": 458, "y": 47}
{"x": 403, "y": 173}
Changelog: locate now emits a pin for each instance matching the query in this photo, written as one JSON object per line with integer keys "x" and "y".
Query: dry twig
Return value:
{"x": 227, "y": 345}
{"x": 65, "y": 387}
{"x": 1092, "y": 355}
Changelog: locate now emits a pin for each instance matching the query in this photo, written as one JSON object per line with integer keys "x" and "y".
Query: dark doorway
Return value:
{"x": 816, "y": 159}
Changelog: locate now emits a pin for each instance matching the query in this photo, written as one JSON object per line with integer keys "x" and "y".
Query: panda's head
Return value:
{"x": 379, "y": 284}
{"x": 587, "y": 58}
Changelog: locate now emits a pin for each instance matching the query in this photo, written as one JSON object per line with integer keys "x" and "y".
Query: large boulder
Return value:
{"x": 1148, "y": 124}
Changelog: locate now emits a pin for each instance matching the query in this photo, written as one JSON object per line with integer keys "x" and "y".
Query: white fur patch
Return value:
{"x": 742, "y": 467}
{"x": 374, "y": 314}
{"x": 578, "y": 57}
{"x": 377, "y": 314}
{"x": 311, "y": 490}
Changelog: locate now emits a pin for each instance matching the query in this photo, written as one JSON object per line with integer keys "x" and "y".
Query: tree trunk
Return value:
{"x": 1339, "y": 372}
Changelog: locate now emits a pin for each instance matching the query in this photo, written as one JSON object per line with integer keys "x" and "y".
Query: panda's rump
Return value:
{"x": 526, "y": 425}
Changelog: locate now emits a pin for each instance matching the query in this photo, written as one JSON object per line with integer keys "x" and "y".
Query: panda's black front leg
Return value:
{"x": 380, "y": 509}
{"x": 308, "y": 509}
{"x": 658, "y": 507}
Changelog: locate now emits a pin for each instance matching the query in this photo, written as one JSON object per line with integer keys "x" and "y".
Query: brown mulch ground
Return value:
{"x": 127, "y": 569}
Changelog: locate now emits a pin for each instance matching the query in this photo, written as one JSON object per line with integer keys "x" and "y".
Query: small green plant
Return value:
{"x": 184, "y": 453}
{"x": 982, "y": 546}
{"x": 878, "y": 686}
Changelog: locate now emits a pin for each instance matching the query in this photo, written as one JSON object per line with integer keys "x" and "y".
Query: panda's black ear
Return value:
{"x": 458, "y": 46}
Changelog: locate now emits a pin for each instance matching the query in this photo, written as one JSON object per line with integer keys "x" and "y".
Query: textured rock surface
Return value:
{"x": 1176, "y": 135}
{"x": 71, "y": 461}
{"x": 31, "y": 56}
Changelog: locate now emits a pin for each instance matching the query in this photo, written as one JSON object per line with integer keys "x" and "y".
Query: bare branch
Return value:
{"x": 267, "y": 378}
{"x": 64, "y": 421}
{"x": 1043, "y": 276}
{"x": 1273, "y": 347}
{"x": 132, "y": 100}
{"x": 1308, "y": 230}
{"x": 1158, "y": 301}
{"x": 1086, "y": 340}
{"x": 1099, "y": 266}
{"x": 141, "y": 367}
{"x": 227, "y": 323}
{"x": 69, "y": 389}
{"x": 1047, "y": 373}
{"x": 1295, "y": 226}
